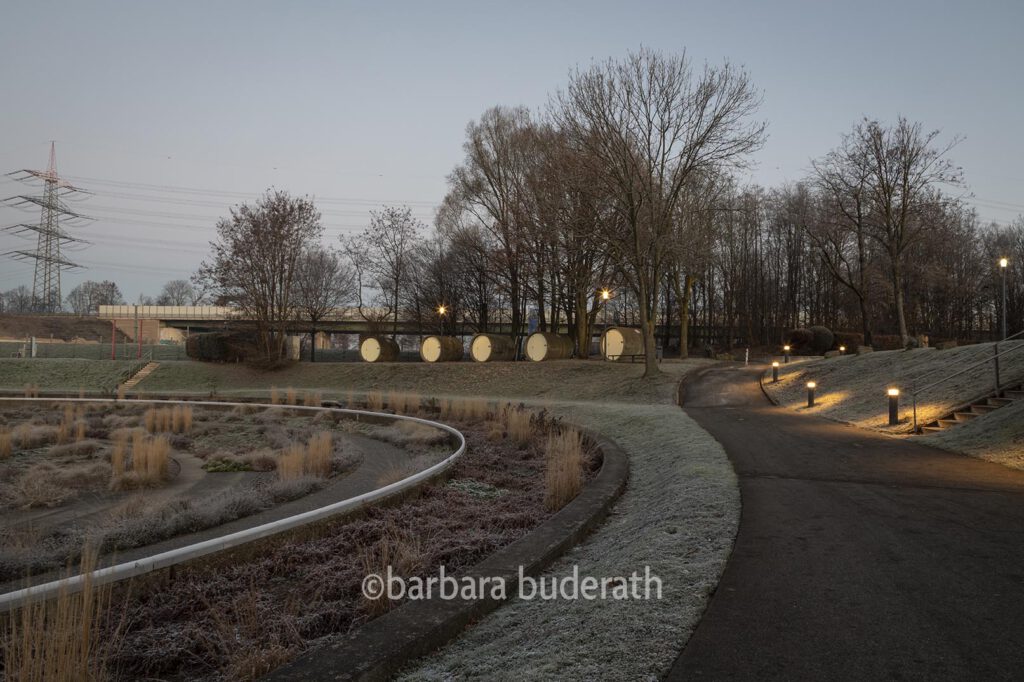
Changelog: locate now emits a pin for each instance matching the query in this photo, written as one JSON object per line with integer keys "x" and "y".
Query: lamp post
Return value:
{"x": 842, "y": 349}
{"x": 441, "y": 310}
{"x": 786, "y": 353}
{"x": 775, "y": 371}
{"x": 606, "y": 296}
{"x": 1003, "y": 264}
{"x": 810, "y": 393}
{"x": 894, "y": 406}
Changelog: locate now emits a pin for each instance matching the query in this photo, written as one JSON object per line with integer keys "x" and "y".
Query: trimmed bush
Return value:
{"x": 822, "y": 339}
{"x": 800, "y": 339}
{"x": 849, "y": 339}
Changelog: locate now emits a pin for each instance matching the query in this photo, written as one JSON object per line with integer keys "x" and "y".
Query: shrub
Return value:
{"x": 849, "y": 339}
{"x": 822, "y": 339}
{"x": 800, "y": 339}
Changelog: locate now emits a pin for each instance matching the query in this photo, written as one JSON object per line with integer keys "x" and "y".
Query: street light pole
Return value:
{"x": 1003, "y": 263}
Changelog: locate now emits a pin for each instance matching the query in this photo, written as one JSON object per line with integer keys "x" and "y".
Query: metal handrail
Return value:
{"x": 936, "y": 371}
{"x": 995, "y": 357}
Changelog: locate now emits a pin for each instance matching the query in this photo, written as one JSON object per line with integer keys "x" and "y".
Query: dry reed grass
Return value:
{"x": 6, "y": 443}
{"x": 375, "y": 401}
{"x": 312, "y": 459}
{"x": 63, "y": 639}
{"x": 177, "y": 419}
{"x": 275, "y": 397}
{"x": 312, "y": 399}
{"x": 148, "y": 457}
{"x": 518, "y": 422}
{"x": 292, "y": 396}
{"x": 563, "y": 475}
{"x": 401, "y": 550}
{"x": 31, "y": 390}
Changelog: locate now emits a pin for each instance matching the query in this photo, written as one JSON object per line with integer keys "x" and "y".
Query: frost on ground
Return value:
{"x": 678, "y": 515}
{"x": 999, "y": 437}
{"x": 852, "y": 388}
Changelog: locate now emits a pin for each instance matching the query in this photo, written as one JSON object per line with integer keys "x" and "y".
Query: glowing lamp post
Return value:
{"x": 842, "y": 349}
{"x": 775, "y": 371}
{"x": 786, "y": 354}
{"x": 1003, "y": 264}
{"x": 894, "y": 406}
{"x": 441, "y": 310}
{"x": 606, "y": 296}
{"x": 810, "y": 393}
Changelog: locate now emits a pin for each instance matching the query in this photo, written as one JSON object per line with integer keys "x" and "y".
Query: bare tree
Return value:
{"x": 177, "y": 292}
{"x": 324, "y": 282}
{"x": 491, "y": 186}
{"x": 87, "y": 297}
{"x": 648, "y": 123}
{"x": 380, "y": 255}
{"x": 18, "y": 300}
{"x": 255, "y": 259}
{"x": 905, "y": 166}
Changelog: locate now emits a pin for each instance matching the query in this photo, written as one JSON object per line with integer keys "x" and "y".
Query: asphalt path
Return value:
{"x": 859, "y": 555}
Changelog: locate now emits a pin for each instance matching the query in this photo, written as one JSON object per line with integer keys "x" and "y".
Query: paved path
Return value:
{"x": 859, "y": 556}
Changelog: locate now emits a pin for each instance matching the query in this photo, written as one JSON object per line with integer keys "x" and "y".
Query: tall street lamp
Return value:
{"x": 1003, "y": 264}
{"x": 441, "y": 310}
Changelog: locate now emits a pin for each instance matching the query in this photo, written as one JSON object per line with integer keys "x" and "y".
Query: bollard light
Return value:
{"x": 842, "y": 349}
{"x": 786, "y": 356}
{"x": 810, "y": 393}
{"x": 894, "y": 406}
{"x": 775, "y": 371}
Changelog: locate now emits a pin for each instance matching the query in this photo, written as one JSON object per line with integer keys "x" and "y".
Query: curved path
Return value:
{"x": 859, "y": 556}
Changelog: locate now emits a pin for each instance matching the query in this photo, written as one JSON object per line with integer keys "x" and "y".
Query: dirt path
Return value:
{"x": 859, "y": 556}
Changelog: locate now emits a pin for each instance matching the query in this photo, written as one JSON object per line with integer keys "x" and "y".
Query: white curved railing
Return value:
{"x": 130, "y": 569}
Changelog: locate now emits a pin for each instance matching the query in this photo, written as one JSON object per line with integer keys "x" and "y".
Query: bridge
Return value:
{"x": 158, "y": 323}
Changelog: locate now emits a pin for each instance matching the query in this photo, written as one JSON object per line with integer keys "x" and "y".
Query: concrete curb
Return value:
{"x": 110, "y": 574}
{"x": 760, "y": 382}
{"x": 383, "y": 646}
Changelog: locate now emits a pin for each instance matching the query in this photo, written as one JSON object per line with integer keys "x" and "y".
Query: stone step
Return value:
{"x": 981, "y": 408}
{"x": 999, "y": 402}
{"x": 965, "y": 416}
{"x": 931, "y": 429}
{"x": 140, "y": 375}
{"x": 946, "y": 423}
{"x": 1014, "y": 395}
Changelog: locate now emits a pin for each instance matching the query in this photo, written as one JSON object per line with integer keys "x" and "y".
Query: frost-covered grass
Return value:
{"x": 852, "y": 388}
{"x": 92, "y": 376}
{"x": 678, "y": 515}
{"x": 998, "y": 437}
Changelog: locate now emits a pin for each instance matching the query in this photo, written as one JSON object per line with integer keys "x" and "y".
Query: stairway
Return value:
{"x": 975, "y": 410}
{"x": 140, "y": 375}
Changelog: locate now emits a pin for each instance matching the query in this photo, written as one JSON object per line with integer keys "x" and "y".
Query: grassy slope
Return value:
{"x": 852, "y": 388}
{"x": 999, "y": 437}
{"x": 65, "y": 375}
{"x": 565, "y": 379}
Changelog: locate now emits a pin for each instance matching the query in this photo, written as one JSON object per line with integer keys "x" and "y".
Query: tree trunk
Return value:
{"x": 647, "y": 325}
{"x": 312, "y": 346}
{"x": 901, "y": 317}
{"x": 582, "y": 327}
{"x": 683, "y": 294}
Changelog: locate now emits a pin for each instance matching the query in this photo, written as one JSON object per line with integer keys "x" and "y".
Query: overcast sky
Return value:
{"x": 172, "y": 112}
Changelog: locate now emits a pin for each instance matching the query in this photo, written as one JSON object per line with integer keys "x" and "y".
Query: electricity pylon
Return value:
{"x": 51, "y": 238}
